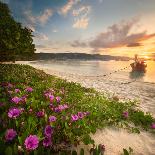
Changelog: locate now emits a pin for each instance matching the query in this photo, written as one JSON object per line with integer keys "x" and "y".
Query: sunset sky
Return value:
{"x": 113, "y": 27}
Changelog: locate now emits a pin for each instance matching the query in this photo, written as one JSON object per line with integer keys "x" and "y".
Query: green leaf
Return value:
{"x": 8, "y": 151}
{"x": 20, "y": 140}
{"x": 82, "y": 151}
{"x": 125, "y": 152}
{"x": 74, "y": 152}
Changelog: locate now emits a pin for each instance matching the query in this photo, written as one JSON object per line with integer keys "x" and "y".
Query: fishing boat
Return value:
{"x": 138, "y": 65}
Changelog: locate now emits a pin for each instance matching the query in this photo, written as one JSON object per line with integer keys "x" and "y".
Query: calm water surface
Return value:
{"x": 95, "y": 68}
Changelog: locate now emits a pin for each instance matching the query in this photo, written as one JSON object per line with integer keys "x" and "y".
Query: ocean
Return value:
{"x": 115, "y": 69}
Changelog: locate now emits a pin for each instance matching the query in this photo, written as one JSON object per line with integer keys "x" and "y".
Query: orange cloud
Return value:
{"x": 68, "y": 6}
{"x": 117, "y": 35}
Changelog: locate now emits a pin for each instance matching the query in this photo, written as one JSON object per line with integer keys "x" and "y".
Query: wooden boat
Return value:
{"x": 139, "y": 66}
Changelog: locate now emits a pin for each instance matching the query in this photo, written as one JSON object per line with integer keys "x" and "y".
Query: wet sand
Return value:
{"x": 117, "y": 139}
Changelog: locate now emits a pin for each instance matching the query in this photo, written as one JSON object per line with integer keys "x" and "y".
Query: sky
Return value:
{"x": 112, "y": 27}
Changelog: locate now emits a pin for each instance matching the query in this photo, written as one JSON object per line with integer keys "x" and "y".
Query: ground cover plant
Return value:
{"x": 43, "y": 114}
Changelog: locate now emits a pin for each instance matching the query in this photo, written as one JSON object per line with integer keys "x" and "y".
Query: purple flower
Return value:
{"x": 125, "y": 114}
{"x": 14, "y": 112}
{"x": 48, "y": 131}
{"x": 57, "y": 109}
{"x": 65, "y": 106}
{"x": 30, "y": 110}
{"x": 16, "y": 99}
{"x": 29, "y": 89}
{"x": 40, "y": 113}
{"x": 51, "y": 98}
{"x": 23, "y": 98}
{"x": 153, "y": 125}
{"x": 17, "y": 90}
{"x": 47, "y": 94}
{"x": 47, "y": 141}
{"x": 10, "y": 85}
{"x": 80, "y": 115}
{"x": 10, "y": 134}
{"x": 86, "y": 113}
{"x": 60, "y": 108}
{"x": 58, "y": 99}
{"x": 74, "y": 117}
{"x": 31, "y": 142}
{"x": 52, "y": 119}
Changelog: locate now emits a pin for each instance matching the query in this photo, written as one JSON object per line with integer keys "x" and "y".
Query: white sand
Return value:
{"x": 117, "y": 139}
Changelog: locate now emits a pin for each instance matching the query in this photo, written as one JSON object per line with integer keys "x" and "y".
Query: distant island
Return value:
{"x": 76, "y": 56}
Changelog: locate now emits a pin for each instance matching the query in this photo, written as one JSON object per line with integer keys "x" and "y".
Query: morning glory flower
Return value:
{"x": 31, "y": 142}
{"x": 16, "y": 99}
{"x": 10, "y": 134}
{"x": 52, "y": 119}
{"x": 14, "y": 112}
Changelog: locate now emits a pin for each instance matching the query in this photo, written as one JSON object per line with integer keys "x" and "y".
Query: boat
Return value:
{"x": 138, "y": 65}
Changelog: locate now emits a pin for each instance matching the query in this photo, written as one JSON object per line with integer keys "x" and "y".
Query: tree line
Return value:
{"x": 16, "y": 41}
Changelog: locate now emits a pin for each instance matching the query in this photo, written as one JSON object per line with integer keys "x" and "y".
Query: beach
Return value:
{"x": 142, "y": 91}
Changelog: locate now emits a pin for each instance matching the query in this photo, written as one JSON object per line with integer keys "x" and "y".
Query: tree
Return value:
{"x": 16, "y": 42}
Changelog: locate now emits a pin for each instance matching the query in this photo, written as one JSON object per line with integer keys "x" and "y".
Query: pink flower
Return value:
{"x": 58, "y": 99}
{"x": 74, "y": 117}
{"x": 10, "y": 85}
{"x": 14, "y": 112}
{"x": 125, "y": 114}
{"x": 47, "y": 141}
{"x": 29, "y": 89}
{"x": 30, "y": 110}
{"x": 153, "y": 125}
{"x": 10, "y": 134}
{"x": 16, "y": 99}
{"x": 80, "y": 115}
{"x": 52, "y": 119}
{"x": 40, "y": 113}
{"x": 17, "y": 90}
{"x": 51, "y": 98}
{"x": 48, "y": 131}
{"x": 31, "y": 142}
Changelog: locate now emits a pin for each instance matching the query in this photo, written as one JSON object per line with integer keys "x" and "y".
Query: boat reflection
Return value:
{"x": 137, "y": 74}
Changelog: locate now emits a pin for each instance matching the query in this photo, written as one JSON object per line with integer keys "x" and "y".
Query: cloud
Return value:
{"x": 81, "y": 19}
{"x": 119, "y": 35}
{"x": 45, "y": 16}
{"x": 68, "y": 6}
{"x": 46, "y": 48}
{"x": 40, "y": 36}
{"x": 81, "y": 23}
{"x": 55, "y": 31}
{"x": 134, "y": 44}
{"x": 83, "y": 11}
{"x": 77, "y": 43}
{"x": 32, "y": 21}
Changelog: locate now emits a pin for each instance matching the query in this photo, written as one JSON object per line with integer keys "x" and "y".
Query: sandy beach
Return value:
{"x": 117, "y": 139}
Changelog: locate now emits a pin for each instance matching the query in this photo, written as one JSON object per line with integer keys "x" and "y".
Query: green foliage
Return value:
{"x": 139, "y": 118}
{"x": 128, "y": 152}
{"x": 16, "y": 41}
{"x": 103, "y": 111}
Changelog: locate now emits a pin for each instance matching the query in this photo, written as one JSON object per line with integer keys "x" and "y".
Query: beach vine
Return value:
{"x": 43, "y": 114}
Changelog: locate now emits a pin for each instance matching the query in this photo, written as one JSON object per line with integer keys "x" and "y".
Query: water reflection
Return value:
{"x": 136, "y": 75}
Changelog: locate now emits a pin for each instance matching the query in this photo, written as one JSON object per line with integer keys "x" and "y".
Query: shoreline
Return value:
{"x": 114, "y": 139}
{"x": 143, "y": 92}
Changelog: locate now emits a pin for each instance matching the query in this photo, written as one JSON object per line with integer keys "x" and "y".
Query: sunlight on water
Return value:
{"x": 97, "y": 68}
